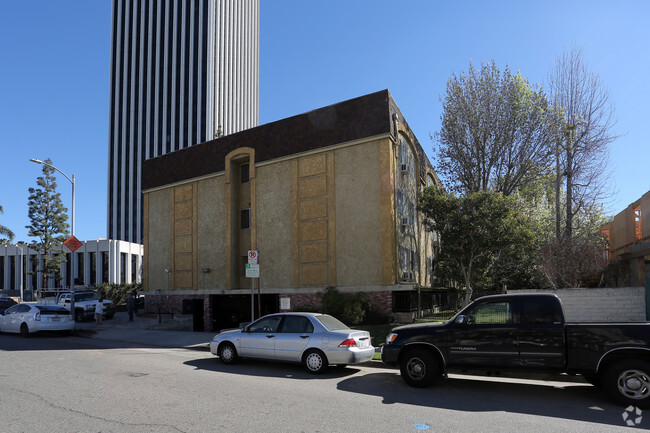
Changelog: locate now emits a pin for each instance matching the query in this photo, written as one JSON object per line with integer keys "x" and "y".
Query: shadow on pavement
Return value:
{"x": 249, "y": 367}
{"x": 580, "y": 402}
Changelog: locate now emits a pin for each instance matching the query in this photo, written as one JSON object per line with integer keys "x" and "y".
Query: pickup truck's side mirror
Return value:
{"x": 461, "y": 320}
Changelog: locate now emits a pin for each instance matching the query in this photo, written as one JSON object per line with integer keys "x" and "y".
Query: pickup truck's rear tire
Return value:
{"x": 419, "y": 368}
{"x": 628, "y": 382}
{"x": 79, "y": 315}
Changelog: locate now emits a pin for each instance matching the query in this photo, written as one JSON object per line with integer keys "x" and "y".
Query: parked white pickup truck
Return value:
{"x": 84, "y": 305}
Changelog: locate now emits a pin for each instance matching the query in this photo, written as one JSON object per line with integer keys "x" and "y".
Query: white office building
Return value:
{"x": 95, "y": 262}
{"x": 182, "y": 73}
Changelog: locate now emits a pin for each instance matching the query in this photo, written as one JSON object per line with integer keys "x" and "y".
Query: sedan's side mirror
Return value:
{"x": 461, "y": 320}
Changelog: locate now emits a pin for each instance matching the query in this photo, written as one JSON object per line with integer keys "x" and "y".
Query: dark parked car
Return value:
{"x": 526, "y": 333}
{"x": 6, "y": 303}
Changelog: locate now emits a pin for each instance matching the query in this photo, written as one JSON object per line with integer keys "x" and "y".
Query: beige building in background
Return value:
{"x": 628, "y": 251}
{"x": 328, "y": 198}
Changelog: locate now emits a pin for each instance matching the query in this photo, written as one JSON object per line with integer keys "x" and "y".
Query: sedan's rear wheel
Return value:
{"x": 24, "y": 330}
{"x": 315, "y": 361}
{"x": 227, "y": 353}
{"x": 419, "y": 368}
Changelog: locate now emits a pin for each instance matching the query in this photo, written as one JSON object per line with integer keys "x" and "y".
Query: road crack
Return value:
{"x": 95, "y": 417}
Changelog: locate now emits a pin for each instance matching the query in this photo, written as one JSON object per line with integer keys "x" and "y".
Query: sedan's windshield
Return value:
{"x": 331, "y": 323}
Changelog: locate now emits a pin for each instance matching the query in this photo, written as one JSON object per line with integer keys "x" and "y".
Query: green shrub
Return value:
{"x": 350, "y": 308}
{"x": 118, "y": 292}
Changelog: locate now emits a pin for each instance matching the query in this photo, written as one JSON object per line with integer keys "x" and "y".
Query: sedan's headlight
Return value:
{"x": 90, "y": 307}
{"x": 391, "y": 337}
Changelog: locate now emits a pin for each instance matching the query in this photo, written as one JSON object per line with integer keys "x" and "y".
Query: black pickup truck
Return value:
{"x": 521, "y": 333}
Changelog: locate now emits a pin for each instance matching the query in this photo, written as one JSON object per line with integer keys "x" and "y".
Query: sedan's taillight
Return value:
{"x": 37, "y": 317}
{"x": 350, "y": 342}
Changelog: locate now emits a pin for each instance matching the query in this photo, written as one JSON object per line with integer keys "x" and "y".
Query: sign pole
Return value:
{"x": 252, "y": 272}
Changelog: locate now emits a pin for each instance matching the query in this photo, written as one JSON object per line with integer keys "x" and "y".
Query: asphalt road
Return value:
{"x": 72, "y": 384}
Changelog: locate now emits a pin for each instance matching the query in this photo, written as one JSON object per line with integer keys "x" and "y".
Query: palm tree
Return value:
{"x": 6, "y": 235}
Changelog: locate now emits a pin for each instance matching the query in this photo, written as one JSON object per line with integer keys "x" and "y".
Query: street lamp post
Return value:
{"x": 72, "y": 181}
{"x": 22, "y": 296}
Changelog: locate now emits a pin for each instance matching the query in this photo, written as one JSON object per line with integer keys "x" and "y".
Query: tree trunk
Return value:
{"x": 558, "y": 190}
{"x": 569, "y": 189}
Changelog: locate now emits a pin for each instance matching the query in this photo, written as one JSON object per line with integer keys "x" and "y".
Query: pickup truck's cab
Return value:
{"x": 525, "y": 333}
{"x": 84, "y": 304}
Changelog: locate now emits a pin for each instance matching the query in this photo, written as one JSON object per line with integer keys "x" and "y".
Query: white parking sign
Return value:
{"x": 253, "y": 256}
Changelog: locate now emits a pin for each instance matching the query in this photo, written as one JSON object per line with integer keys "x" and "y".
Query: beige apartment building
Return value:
{"x": 628, "y": 251}
{"x": 328, "y": 198}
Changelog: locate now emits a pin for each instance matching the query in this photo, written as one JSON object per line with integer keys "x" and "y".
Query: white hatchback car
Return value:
{"x": 26, "y": 318}
{"x": 314, "y": 339}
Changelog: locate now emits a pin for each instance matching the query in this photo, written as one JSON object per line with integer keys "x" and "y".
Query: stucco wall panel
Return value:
{"x": 158, "y": 256}
{"x": 212, "y": 233}
{"x": 313, "y": 231}
{"x": 313, "y": 187}
{"x": 312, "y": 165}
{"x": 314, "y": 274}
{"x": 275, "y": 226}
{"x": 312, "y": 253}
{"x": 358, "y": 199}
{"x": 312, "y": 209}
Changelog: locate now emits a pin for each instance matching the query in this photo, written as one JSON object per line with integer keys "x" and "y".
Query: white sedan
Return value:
{"x": 26, "y": 318}
{"x": 314, "y": 339}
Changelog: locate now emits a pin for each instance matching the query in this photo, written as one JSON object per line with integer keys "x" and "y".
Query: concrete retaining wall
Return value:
{"x": 620, "y": 304}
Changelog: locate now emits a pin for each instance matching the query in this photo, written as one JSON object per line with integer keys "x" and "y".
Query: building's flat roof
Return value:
{"x": 354, "y": 119}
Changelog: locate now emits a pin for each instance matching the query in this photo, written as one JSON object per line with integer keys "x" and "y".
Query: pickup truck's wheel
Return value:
{"x": 79, "y": 316}
{"x": 419, "y": 368}
{"x": 628, "y": 382}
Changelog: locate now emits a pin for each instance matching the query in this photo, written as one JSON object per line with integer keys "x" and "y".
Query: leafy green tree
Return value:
{"x": 6, "y": 235}
{"x": 48, "y": 224}
{"x": 496, "y": 132}
{"x": 483, "y": 237}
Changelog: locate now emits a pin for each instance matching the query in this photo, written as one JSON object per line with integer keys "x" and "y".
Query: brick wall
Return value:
{"x": 620, "y": 304}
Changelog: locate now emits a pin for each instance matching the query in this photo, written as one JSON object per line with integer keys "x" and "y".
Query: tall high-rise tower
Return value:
{"x": 182, "y": 72}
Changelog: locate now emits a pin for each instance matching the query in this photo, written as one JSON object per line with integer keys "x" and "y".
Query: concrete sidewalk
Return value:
{"x": 143, "y": 331}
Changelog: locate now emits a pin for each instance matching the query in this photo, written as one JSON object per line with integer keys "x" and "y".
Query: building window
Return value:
{"x": 122, "y": 268}
{"x": 68, "y": 270}
{"x": 134, "y": 267}
{"x": 245, "y": 222}
{"x": 104, "y": 267}
{"x": 80, "y": 269}
{"x": 93, "y": 268}
{"x": 244, "y": 173}
{"x": 638, "y": 233}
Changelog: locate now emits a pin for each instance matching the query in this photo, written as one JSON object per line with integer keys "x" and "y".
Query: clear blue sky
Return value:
{"x": 54, "y": 76}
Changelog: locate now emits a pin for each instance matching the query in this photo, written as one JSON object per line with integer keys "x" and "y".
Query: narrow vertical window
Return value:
{"x": 638, "y": 232}
{"x": 244, "y": 173}
{"x": 245, "y": 219}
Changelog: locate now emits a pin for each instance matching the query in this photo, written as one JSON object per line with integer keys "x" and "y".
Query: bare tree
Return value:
{"x": 582, "y": 144}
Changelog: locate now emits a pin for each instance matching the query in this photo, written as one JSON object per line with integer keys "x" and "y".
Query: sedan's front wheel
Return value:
{"x": 315, "y": 361}
{"x": 227, "y": 353}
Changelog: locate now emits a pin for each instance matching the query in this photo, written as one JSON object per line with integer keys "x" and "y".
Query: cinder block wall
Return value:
{"x": 620, "y": 304}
